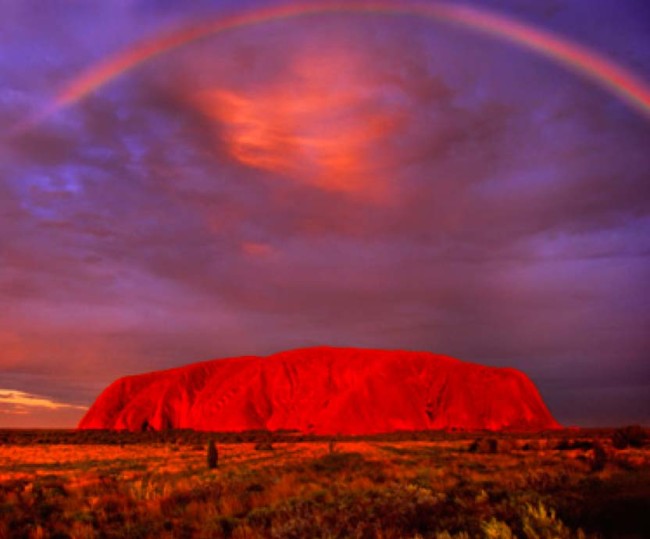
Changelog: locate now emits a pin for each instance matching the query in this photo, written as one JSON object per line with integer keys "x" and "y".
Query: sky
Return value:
{"x": 345, "y": 179}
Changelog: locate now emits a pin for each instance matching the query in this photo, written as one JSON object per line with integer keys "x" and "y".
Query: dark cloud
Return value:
{"x": 383, "y": 182}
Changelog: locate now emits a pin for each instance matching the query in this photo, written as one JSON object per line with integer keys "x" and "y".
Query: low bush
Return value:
{"x": 630, "y": 436}
{"x": 264, "y": 445}
{"x": 337, "y": 462}
{"x": 484, "y": 445}
{"x": 598, "y": 457}
{"x": 567, "y": 445}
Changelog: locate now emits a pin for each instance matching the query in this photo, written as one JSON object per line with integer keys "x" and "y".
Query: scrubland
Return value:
{"x": 562, "y": 484}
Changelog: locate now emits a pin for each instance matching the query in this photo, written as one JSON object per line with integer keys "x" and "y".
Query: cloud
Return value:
{"x": 378, "y": 181}
{"x": 20, "y": 402}
{"x": 319, "y": 123}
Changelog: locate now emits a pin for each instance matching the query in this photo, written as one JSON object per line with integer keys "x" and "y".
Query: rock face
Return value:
{"x": 324, "y": 391}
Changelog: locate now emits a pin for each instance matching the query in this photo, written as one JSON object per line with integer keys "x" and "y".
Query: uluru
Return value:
{"x": 324, "y": 390}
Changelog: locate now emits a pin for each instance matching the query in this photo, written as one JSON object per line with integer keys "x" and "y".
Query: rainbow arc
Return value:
{"x": 580, "y": 59}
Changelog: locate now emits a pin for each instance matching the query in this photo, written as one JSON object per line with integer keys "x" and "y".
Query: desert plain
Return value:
{"x": 556, "y": 484}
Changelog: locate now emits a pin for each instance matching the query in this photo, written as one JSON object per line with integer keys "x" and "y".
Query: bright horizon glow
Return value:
{"x": 578, "y": 58}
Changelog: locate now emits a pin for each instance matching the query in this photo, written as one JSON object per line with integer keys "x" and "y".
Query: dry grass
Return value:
{"x": 353, "y": 488}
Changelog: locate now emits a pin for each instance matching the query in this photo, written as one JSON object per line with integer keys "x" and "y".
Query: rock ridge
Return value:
{"x": 324, "y": 390}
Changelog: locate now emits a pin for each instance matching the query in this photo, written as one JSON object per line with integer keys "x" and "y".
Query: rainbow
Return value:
{"x": 578, "y": 58}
